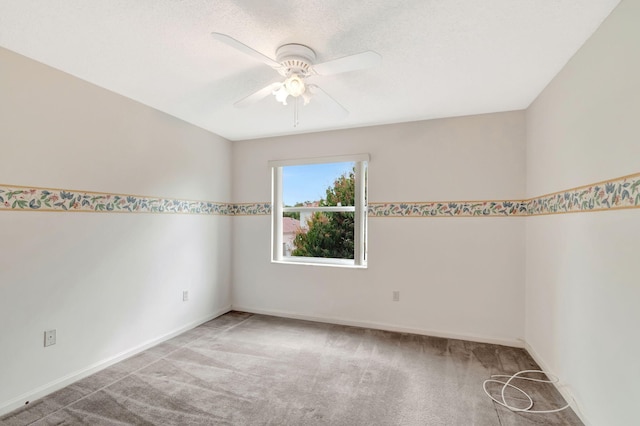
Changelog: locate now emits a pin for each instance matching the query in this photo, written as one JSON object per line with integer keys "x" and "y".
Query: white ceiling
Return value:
{"x": 440, "y": 58}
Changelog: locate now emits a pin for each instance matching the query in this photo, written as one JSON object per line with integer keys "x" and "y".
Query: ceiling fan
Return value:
{"x": 295, "y": 63}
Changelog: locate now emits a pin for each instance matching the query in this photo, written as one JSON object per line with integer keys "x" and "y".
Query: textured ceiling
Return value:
{"x": 439, "y": 58}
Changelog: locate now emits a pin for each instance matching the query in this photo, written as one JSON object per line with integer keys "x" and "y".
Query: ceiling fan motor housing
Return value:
{"x": 295, "y": 59}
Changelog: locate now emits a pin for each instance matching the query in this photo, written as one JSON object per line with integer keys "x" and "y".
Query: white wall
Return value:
{"x": 582, "y": 287}
{"x": 456, "y": 276}
{"x": 109, "y": 283}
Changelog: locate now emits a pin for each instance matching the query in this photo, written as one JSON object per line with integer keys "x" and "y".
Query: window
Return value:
{"x": 319, "y": 213}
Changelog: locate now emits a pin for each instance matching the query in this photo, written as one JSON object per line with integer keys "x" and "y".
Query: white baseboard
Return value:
{"x": 562, "y": 387}
{"x": 8, "y": 406}
{"x": 383, "y": 326}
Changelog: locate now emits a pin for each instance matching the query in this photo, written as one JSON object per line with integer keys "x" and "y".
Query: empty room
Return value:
{"x": 241, "y": 212}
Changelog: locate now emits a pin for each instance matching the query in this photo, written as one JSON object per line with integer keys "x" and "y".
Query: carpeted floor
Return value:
{"x": 244, "y": 369}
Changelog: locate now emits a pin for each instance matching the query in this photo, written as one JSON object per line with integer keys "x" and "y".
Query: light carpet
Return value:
{"x": 245, "y": 369}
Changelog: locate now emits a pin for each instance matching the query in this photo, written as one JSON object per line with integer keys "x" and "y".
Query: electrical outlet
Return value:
{"x": 396, "y": 296}
{"x": 185, "y": 296}
{"x": 49, "y": 338}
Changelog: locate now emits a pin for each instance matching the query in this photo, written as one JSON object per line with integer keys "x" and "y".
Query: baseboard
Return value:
{"x": 563, "y": 388}
{"x": 382, "y": 326}
{"x": 60, "y": 383}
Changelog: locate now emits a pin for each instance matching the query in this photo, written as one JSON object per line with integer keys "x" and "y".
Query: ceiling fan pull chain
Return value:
{"x": 295, "y": 112}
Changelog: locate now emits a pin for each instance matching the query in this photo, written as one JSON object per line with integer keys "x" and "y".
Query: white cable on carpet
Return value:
{"x": 518, "y": 377}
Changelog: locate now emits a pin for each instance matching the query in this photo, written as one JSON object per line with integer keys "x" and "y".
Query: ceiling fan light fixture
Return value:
{"x": 281, "y": 94}
{"x": 306, "y": 97}
{"x": 294, "y": 85}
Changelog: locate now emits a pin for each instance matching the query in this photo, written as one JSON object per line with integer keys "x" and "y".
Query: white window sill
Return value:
{"x": 314, "y": 261}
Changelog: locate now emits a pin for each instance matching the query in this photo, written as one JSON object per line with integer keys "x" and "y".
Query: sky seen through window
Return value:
{"x": 310, "y": 182}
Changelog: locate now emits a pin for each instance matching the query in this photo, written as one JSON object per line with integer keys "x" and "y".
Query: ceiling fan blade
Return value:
{"x": 334, "y": 107}
{"x": 257, "y": 96}
{"x": 359, "y": 61}
{"x": 232, "y": 42}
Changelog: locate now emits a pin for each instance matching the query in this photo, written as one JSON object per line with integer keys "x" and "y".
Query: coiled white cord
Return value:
{"x": 508, "y": 384}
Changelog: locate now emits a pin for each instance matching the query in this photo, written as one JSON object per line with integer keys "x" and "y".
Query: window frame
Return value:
{"x": 359, "y": 209}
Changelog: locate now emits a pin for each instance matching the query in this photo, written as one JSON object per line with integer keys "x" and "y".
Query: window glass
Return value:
{"x": 319, "y": 212}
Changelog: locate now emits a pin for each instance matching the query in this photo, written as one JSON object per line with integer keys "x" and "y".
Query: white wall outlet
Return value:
{"x": 396, "y": 296}
{"x": 185, "y": 295}
{"x": 49, "y": 338}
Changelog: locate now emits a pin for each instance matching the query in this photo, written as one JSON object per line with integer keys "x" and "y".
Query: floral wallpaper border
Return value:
{"x": 249, "y": 209}
{"x": 47, "y": 199}
{"x": 619, "y": 193}
{"x": 449, "y": 209}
